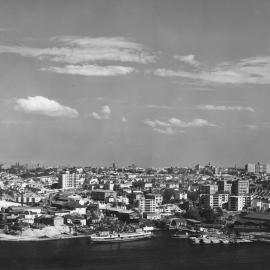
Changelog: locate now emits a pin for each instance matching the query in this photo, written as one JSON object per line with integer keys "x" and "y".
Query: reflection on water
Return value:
{"x": 158, "y": 253}
{"x": 123, "y": 245}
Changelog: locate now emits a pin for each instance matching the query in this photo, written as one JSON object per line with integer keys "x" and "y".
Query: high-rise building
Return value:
{"x": 250, "y": 167}
{"x": 257, "y": 168}
{"x": 147, "y": 205}
{"x": 262, "y": 168}
{"x": 157, "y": 197}
{"x": 70, "y": 180}
{"x": 238, "y": 203}
{"x": 240, "y": 187}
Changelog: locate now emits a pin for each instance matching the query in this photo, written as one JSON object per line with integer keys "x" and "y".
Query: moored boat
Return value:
{"x": 107, "y": 237}
{"x": 183, "y": 233}
{"x": 265, "y": 240}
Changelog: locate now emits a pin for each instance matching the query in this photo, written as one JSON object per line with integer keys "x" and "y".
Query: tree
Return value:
{"x": 208, "y": 215}
{"x": 184, "y": 206}
{"x": 193, "y": 213}
{"x": 168, "y": 195}
{"x": 139, "y": 184}
{"x": 55, "y": 186}
{"x": 193, "y": 196}
{"x": 219, "y": 212}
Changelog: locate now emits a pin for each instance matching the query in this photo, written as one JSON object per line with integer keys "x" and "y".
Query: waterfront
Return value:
{"x": 158, "y": 253}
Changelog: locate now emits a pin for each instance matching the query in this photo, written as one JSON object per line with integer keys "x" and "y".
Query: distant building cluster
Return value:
{"x": 89, "y": 196}
{"x": 258, "y": 168}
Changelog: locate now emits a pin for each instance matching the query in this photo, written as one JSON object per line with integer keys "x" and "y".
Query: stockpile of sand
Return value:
{"x": 49, "y": 231}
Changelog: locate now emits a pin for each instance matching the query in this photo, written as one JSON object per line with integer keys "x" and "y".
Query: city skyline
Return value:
{"x": 144, "y": 82}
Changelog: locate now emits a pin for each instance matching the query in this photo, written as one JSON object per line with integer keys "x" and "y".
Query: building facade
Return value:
{"x": 224, "y": 187}
{"x": 71, "y": 180}
{"x": 157, "y": 197}
{"x": 257, "y": 168}
{"x": 147, "y": 205}
{"x": 208, "y": 189}
{"x": 238, "y": 203}
{"x": 103, "y": 194}
{"x": 240, "y": 187}
{"x": 214, "y": 200}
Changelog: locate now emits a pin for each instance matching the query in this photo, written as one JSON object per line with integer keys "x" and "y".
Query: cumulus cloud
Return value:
{"x": 91, "y": 70}
{"x": 175, "y": 125}
{"x": 188, "y": 59}
{"x": 255, "y": 70}
{"x": 44, "y": 106}
{"x": 104, "y": 114}
{"x": 224, "y": 108}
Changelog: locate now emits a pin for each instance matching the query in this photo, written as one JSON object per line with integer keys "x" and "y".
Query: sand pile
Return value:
{"x": 49, "y": 231}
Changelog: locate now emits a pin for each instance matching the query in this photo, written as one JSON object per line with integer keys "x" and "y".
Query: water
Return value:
{"x": 158, "y": 253}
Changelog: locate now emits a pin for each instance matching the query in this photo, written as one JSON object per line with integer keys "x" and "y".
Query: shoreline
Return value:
{"x": 9, "y": 238}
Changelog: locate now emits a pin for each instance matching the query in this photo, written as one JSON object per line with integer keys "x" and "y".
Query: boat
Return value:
{"x": 206, "y": 240}
{"x": 106, "y": 237}
{"x": 195, "y": 240}
{"x": 181, "y": 235}
{"x": 224, "y": 241}
{"x": 184, "y": 233}
{"x": 262, "y": 237}
{"x": 265, "y": 240}
{"x": 148, "y": 228}
{"x": 240, "y": 241}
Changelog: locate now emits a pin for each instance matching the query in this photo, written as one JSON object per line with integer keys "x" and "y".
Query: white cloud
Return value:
{"x": 86, "y": 56}
{"x": 91, "y": 70}
{"x": 255, "y": 70}
{"x": 188, "y": 59}
{"x": 167, "y": 131}
{"x": 224, "y": 108}
{"x": 104, "y": 114}
{"x": 44, "y": 106}
{"x": 175, "y": 125}
{"x": 124, "y": 119}
{"x": 100, "y": 42}
{"x": 194, "y": 123}
{"x": 251, "y": 126}
{"x": 75, "y": 50}
{"x": 154, "y": 106}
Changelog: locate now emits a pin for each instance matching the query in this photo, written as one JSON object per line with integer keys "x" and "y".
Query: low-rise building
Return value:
{"x": 102, "y": 194}
{"x": 168, "y": 209}
{"x": 214, "y": 200}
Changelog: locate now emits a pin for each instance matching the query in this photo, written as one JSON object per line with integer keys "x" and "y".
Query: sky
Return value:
{"x": 145, "y": 82}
